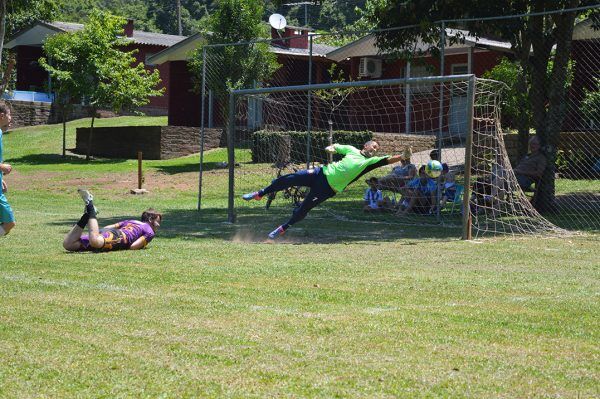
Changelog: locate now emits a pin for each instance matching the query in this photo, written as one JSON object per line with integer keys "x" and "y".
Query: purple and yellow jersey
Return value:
{"x": 121, "y": 236}
{"x": 134, "y": 229}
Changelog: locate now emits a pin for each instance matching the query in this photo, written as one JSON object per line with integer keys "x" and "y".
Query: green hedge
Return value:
{"x": 274, "y": 147}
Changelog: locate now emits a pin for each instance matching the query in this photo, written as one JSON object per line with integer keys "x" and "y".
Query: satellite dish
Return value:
{"x": 277, "y": 21}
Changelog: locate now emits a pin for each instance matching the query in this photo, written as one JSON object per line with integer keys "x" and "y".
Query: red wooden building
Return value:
{"x": 291, "y": 48}
{"x": 31, "y": 76}
{"x": 417, "y": 110}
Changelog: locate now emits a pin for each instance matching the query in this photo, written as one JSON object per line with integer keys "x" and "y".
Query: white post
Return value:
{"x": 210, "y": 108}
{"x": 470, "y": 60}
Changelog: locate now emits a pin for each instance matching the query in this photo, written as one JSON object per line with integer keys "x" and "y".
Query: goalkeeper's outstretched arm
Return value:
{"x": 394, "y": 159}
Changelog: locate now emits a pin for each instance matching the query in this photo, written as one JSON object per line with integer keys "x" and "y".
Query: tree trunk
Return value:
{"x": 179, "y": 27}
{"x": 556, "y": 108}
{"x": 6, "y": 78}
{"x": 523, "y": 116}
{"x": 2, "y": 26}
{"x": 64, "y": 123}
{"x": 542, "y": 41}
{"x": 89, "y": 146}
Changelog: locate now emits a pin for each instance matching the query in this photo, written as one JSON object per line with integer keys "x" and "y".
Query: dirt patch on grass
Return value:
{"x": 59, "y": 181}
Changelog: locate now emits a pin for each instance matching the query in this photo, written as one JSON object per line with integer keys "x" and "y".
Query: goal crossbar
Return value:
{"x": 361, "y": 83}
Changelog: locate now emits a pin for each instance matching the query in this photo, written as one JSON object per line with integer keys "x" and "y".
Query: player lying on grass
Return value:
{"x": 127, "y": 234}
{"x": 327, "y": 181}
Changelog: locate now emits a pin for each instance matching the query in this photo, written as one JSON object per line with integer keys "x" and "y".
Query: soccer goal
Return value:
{"x": 273, "y": 131}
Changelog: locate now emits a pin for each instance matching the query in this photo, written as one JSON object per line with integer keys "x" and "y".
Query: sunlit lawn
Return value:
{"x": 343, "y": 307}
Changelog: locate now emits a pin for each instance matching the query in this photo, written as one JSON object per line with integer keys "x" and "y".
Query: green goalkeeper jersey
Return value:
{"x": 354, "y": 164}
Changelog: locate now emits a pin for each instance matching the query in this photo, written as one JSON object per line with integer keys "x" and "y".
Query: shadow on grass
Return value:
{"x": 252, "y": 226}
{"x": 577, "y": 211}
{"x": 189, "y": 167}
{"x": 55, "y": 159}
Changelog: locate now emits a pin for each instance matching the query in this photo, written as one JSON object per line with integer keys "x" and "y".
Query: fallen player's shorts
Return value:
{"x": 114, "y": 240}
{"x": 6, "y": 212}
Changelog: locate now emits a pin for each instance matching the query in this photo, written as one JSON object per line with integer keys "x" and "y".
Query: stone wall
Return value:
{"x": 155, "y": 142}
{"x": 33, "y": 113}
{"x": 394, "y": 143}
{"x": 586, "y": 142}
{"x": 120, "y": 142}
{"x": 177, "y": 141}
{"x": 30, "y": 113}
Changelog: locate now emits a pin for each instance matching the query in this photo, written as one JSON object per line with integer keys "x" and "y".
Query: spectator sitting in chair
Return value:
{"x": 400, "y": 175}
{"x": 531, "y": 168}
{"x": 420, "y": 196}
{"x": 448, "y": 190}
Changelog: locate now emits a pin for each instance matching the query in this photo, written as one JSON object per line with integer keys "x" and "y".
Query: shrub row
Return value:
{"x": 283, "y": 147}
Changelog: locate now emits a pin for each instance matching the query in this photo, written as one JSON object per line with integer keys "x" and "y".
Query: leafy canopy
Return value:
{"x": 240, "y": 66}
{"x": 92, "y": 63}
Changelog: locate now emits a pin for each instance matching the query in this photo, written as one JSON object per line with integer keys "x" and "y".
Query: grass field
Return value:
{"x": 339, "y": 309}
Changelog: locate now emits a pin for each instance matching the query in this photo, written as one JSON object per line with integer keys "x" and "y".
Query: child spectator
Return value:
{"x": 373, "y": 200}
{"x": 448, "y": 189}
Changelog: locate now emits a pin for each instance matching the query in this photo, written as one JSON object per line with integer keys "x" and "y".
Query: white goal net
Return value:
{"x": 453, "y": 119}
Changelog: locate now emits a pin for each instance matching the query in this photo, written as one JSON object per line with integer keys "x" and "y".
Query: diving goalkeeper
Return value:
{"x": 326, "y": 181}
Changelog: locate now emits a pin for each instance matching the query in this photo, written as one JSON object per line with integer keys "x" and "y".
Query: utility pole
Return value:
{"x": 180, "y": 28}
{"x": 305, "y": 4}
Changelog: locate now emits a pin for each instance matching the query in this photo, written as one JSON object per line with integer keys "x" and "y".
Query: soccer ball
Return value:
{"x": 433, "y": 168}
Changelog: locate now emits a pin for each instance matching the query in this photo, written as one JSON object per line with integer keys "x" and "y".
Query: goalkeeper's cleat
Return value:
{"x": 252, "y": 196}
{"x": 279, "y": 231}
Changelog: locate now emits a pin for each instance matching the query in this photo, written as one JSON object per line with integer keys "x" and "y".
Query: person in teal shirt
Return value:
{"x": 7, "y": 217}
{"x": 325, "y": 182}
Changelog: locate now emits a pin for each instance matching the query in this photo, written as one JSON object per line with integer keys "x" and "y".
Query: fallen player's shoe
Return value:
{"x": 85, "y": 195}
{"x": 252, "y": 196}
{"x": 279, "y": 231}
{"x": 88, "y": 199}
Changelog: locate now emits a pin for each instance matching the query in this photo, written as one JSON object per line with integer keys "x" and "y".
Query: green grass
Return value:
{"x": 340, "y": 309}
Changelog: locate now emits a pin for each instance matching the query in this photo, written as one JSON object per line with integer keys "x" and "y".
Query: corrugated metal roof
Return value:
{"x": 139, "y": 37}
{"x": 367, "y": 45}
{"x": 318, "y": 50}
{"x": 158, "y": 39}
{"x": 66, "y": 26}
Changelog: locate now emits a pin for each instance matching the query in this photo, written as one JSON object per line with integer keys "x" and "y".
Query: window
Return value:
{"x": 420, "y": 71}
{"x": 460, "y": 69}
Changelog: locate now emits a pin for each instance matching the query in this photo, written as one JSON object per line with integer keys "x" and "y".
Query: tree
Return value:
{"x": 590, "y": 106}
{"x": 59, "y": 48}
{"x": 235, "y": 66}
{"x": 169, "y": 15}
{"x": 331, "y": 15}
{"x": 539, "y": 42}
{"x": 334, "y": 98}
{"x": 516, "y": 104}
{"x": 92, "y": 64}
